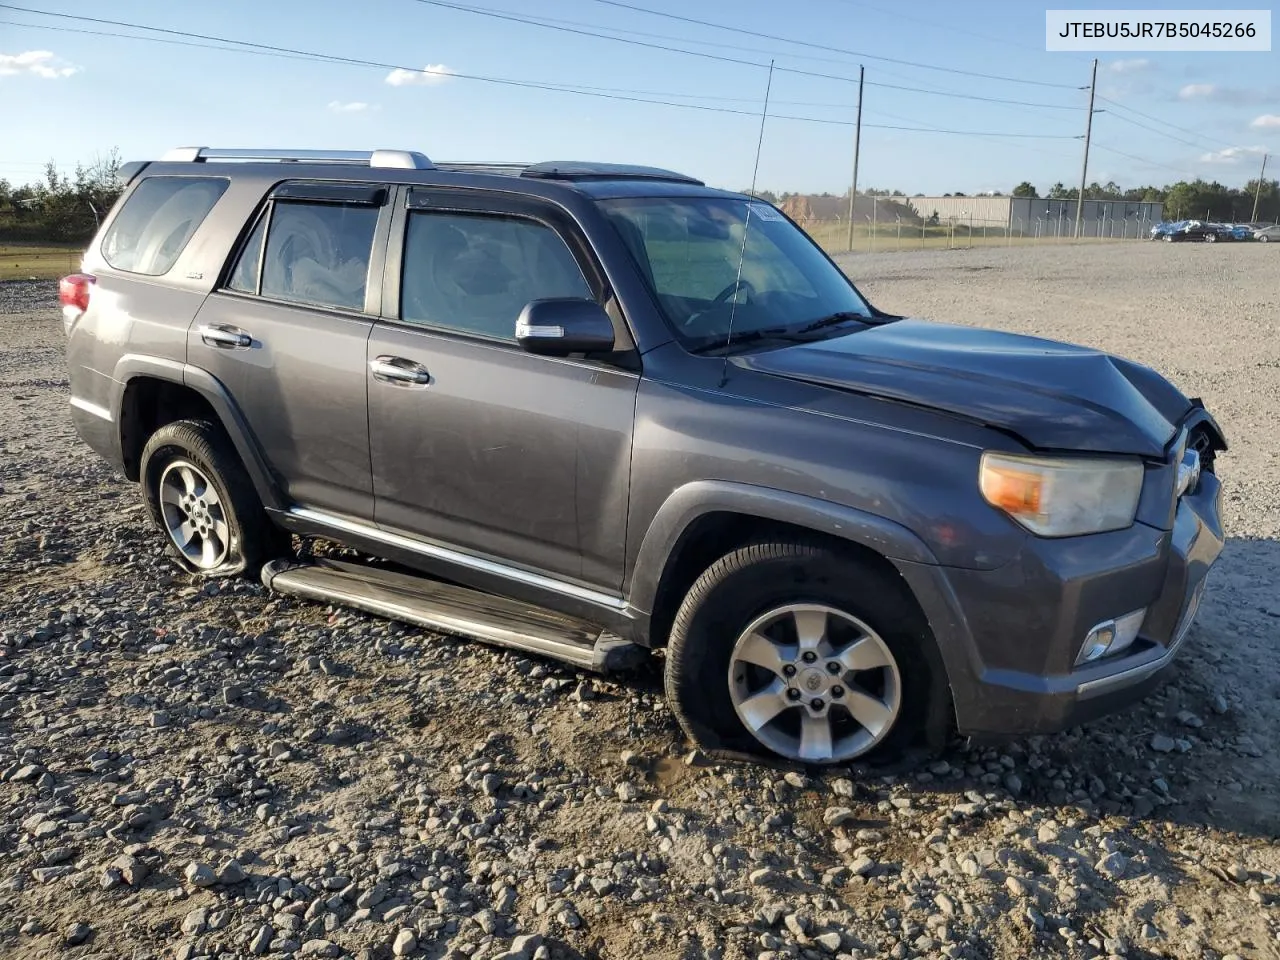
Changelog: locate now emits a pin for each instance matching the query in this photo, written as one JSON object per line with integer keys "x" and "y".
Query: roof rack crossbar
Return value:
{"x": 395, "y": 159}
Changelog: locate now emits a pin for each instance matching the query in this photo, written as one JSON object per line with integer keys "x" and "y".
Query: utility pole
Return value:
{"x": 1257, "y": 194}
{"x": 857, "y": 145}
{"x": 1088, "y": 133}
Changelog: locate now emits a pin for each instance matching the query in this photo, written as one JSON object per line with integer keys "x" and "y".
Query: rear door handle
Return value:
{"x": 399, "y": 370}
{"x": 218, "y": 335}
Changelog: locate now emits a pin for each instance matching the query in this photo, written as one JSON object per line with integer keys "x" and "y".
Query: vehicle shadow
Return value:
{"x": 1195, "y": 752}
{"x": 1191, "y": 753}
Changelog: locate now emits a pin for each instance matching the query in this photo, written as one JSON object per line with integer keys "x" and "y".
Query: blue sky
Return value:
{"x": 66, "y": 96}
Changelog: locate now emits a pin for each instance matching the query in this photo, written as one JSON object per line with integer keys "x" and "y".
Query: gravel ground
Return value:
{"x": 196, "y": 770}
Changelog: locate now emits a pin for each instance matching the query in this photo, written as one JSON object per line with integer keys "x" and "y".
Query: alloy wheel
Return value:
{"x": 814, "y": 684}
{"x": 193, "y": 515}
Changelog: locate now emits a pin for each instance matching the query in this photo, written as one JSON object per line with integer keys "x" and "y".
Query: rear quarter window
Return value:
{"x": 156, "y": 222}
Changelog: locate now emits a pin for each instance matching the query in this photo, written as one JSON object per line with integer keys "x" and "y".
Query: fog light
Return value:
{"x": 1111, "y": 636}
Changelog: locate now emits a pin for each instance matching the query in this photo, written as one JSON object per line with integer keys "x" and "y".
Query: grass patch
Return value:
{"x": 21, "y": 262}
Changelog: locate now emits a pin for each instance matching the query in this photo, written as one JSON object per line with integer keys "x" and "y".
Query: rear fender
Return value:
{"x": 203, "y": 383}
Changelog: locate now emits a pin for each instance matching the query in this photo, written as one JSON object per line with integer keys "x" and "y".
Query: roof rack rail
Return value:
{"x": 580, "y": 170}
{"x": 394, "y": 159}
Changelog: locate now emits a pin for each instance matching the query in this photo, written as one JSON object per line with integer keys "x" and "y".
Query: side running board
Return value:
{"x": 453, "y": 609}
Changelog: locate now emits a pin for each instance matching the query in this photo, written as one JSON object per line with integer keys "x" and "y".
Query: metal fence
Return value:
{"x": 961, "y": 233}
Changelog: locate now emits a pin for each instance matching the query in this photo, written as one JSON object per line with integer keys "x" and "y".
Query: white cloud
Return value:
{"x": 355, "y": 106}
{"x": 1231, "y": 154}
{"x": 38, "y": 63}
{"x": 1267, "y": 120}
{"x": 1234, "y": 96}
{"x": 1128, "y": 66}
{"x": 429, "y": 75}
{"x": 1197, "y": 91}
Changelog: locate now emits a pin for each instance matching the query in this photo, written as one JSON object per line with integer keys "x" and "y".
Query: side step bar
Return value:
{"x": 453, "y": 609}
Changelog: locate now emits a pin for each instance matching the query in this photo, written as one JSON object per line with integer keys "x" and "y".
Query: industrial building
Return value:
{"x": 1037, "y": 217}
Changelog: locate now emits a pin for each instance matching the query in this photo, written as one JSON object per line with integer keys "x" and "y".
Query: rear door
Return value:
{"x": 476, "y": 444}
{"x": 285, "y": 332}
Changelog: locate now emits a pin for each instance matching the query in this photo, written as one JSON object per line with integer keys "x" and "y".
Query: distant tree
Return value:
{"x": 60, "y": 208}
{"x": 1026, "y": 189}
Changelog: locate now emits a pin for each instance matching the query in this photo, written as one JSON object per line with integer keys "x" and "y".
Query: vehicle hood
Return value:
{"x": 1054, "y": 396}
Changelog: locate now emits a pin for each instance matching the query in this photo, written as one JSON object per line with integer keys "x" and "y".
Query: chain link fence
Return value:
{"x": 956, "y": 233}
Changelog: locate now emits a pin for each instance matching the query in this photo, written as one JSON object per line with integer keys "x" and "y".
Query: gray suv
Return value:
{"x": 589, "y": 410}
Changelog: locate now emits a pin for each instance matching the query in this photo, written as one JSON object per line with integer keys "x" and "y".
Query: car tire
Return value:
{"x": 1210, "y": 238}
{"x": 204, "y": 504}
{"x": 1168, "y": 238}
{"x": 1264, "y": 239}
{"x": 711, "y": 678}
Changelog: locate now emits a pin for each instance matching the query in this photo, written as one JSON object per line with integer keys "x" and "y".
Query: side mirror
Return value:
{"x": 556, "y": 328}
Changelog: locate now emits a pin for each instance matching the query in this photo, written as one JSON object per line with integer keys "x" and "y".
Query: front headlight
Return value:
{"x": 1062, "y": 497}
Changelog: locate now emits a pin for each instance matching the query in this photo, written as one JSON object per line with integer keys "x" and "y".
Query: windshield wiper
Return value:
{"x": 784, "y": 334}
{"x": 831, "y": 320}
{"x": 746, "y": 336}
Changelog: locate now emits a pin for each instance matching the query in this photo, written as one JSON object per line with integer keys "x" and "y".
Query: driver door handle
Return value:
{"x": 219, "y": 335}
{"x": 399, "y": 370}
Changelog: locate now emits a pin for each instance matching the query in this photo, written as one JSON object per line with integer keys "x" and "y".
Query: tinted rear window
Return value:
{"x": 157, "y": 220}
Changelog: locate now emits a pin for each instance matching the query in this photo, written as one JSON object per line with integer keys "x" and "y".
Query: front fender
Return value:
{"x": 701, "y": 497}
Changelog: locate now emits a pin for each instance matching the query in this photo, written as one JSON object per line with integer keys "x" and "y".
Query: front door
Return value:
{"x": 286, "y": 335}
{"x": 476, "y": 444}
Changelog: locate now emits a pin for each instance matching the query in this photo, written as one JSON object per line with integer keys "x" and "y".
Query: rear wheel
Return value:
{"x": 799, "y": 651}
{"x": 1210, "y": 238}
{"x": 203, "y": 502}
{"x": 1264, "y": 239}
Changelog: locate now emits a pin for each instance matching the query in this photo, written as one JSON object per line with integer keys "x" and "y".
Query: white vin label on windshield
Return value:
{"x": 762, "y": 212}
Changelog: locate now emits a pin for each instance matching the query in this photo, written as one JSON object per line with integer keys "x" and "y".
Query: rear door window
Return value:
{"x": 316, "y": 252}
{"x": 156, "y": 222}
{"x": 319, "y": 253}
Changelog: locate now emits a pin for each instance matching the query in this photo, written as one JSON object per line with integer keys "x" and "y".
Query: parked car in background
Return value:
{"x": 1162, "y": 229}
{"x": 1269, "y": 233}
{"x": 1194, "y": 230}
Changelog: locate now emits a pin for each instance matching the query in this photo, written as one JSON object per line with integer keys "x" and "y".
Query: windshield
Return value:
{"x": 689, "y": 249}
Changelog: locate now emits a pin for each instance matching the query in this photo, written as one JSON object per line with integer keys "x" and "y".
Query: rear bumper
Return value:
{"x": 1009, "y": 637}
{"x": 97, "y": 428}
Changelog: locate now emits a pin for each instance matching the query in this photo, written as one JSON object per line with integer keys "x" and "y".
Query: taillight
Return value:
{"x": 73, "y": 294}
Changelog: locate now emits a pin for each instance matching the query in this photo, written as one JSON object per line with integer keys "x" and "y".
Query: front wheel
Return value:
{"x": 802, "y": 652}
{"x": 202, "y": 500}
{"x": 1264, "y": 239}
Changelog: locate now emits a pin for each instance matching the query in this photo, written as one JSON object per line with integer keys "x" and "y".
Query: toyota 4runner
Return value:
{"x": 587, "y": 410}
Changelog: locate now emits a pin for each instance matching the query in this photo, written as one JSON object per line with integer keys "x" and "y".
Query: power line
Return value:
{"x": 1144, "y": 160}
{"x": 536, "y": 20}
{"x": 819, "y": 46}
{"x": 1156, "y": 130}
{"x": 595, "y": 33}
{"x": 551, "y": 21}
{"x": 1021, "y": 146}
{"x": 186, "y": 38}
{"x": 1147, "y": 116}
{"x": 951, "y": 28}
